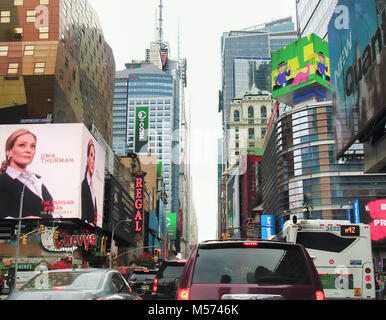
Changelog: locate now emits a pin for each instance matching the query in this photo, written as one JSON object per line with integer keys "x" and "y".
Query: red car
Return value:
{"x": 249, "y": 270}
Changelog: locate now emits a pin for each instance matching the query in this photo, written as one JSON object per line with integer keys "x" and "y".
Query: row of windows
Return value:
{"x": 251, "y": 113}
{"x": 13, "y": 68}
{"x": 140, "y": 102}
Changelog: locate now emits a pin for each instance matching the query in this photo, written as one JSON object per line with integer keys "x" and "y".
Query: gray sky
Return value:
{"x": 130, "y": 25}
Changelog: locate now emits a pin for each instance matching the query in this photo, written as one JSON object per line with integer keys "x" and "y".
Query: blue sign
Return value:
{"x": 356, "y": 211}
{"x": 267, "y": 226}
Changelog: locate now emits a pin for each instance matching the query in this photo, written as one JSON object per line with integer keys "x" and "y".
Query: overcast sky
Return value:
{"x": 130, "y": 25}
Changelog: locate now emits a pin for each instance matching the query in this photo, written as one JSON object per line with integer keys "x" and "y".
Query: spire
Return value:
{"x": 160, "y": 22}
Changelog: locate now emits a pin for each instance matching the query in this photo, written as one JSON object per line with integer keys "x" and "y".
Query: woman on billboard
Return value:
{"x": 20, "y": 149}
{"x": 89, "y": 208}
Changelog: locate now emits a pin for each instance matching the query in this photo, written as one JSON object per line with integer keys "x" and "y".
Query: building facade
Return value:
{"x": 55, "y": 64}
{"x": 245, "y": 56}
{"x": 313, "y": 16}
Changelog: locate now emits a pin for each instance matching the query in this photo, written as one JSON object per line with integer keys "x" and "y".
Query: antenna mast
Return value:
{"x": 160, "y": 22}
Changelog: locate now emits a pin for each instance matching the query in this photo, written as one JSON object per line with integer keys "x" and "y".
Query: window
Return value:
{"x": 18, "y": 2}
{"x": 29, "y": 50}
{"x": 44, "y": 1}
{"x": 39, "y": 67}
{"x": 323, "y": 241}
{"x": 250, "y": 112}
{"x": 263, "y": 132}
{"x": 43, "y": 32}
{"x": 251, "y": 133}
{"x": 13, "y": 68}
{"x": 5, "y": 16}
{"x": 31, "y": 16}
{"x": 3, "y": 51}
{"x": 236, "y": 115}
{"x": 263, "y": 111}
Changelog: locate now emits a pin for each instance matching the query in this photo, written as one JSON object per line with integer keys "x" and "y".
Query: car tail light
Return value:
{"x": 131, "y": 283}
{"x": 250, "y": 244}
{"x": 155, "y": 285}
{"x": 183, "y": 294}
{"x": 319, "y": 295}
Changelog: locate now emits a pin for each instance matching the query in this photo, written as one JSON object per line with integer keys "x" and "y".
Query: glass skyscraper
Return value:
{"x": 244, "y": 51}
{"x": 145, "y": 85}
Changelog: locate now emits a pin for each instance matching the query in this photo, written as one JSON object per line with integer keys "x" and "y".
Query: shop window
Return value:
{"x": 3, "y": 51}
{"x": 5, "y": 16}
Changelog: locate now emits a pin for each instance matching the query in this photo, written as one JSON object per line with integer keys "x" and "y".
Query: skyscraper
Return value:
{"x": 245, "y": 59}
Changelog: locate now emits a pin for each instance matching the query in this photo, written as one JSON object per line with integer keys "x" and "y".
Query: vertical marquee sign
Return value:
{"x": 138, "y": 203}
{"x": 141, "y": 129}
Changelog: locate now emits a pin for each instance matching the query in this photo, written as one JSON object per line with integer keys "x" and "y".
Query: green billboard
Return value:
{"x": 301, "y": 69}
{"x": 171, "y": 224}
{"x": 141, "y": 129}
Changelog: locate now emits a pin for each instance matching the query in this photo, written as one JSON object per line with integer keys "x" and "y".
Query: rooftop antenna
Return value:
{"x": 160, "y": 22}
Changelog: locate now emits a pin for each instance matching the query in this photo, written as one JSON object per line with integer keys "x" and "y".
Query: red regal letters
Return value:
{"x": 138, "y": 204}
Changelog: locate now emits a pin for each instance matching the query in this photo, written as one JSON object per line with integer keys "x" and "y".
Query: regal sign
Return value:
{"x": 138, "y": 203}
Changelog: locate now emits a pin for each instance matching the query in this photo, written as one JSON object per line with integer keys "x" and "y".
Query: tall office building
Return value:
{"x": 313, "y": 16}
{"x": 245, "y": 61}
{"x": 154, "y": 86}
{"x": 55, "y": 64}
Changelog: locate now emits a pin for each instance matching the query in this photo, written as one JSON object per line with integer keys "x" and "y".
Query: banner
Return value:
{"x": 171, "y": 225}
{"x": 141, "y": 129}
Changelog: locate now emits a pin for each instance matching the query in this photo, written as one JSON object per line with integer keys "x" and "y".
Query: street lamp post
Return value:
{"x": 19, "y": 226}
{"x": 112, "y": 239}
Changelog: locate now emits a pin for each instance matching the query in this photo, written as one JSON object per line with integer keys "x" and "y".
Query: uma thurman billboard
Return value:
{"x": 59, "y": 166}
{"x": 356, "y": 34}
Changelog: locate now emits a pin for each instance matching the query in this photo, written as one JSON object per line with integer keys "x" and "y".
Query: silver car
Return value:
{"x": 76, "y": 284}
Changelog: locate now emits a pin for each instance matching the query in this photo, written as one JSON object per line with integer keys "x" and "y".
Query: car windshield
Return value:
{"x": 65, "y": 281}
{"x": 263, "y": 266}
{"x": 142, "y": 276}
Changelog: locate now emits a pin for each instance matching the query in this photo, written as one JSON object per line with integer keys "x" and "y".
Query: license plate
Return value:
{"x": 145, "y": 287}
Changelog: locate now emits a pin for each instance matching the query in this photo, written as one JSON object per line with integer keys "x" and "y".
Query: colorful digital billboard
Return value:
{"x": 356, "y": 34}
{"x": 373, "y": 213}
{"x": 301, "y": 69}
{"x": 267, "y": 226}
{"x": 60, "y": 167}
{"x": 171, "y": 225}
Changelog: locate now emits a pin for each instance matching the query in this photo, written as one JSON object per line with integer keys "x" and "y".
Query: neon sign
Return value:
{"x": 138, "y": 204}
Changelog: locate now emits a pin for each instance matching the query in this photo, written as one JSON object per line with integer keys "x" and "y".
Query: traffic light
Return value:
{"x": 24, "y": 239}
{"x": 56, "y": 235}
{"x": 157, "y": 252}
{"x": 41, "y": 228}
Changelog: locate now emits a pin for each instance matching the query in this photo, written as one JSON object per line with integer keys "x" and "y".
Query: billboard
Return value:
{"x": 267, "y": 226}
{"x": 141, "y": 129}
{"x": 373, "y": 213}
{"x": 171, "y": 225}
{"x": 301, "y": 69}
{"x": 356, "y": 34}
{"x": 60, "y": 166}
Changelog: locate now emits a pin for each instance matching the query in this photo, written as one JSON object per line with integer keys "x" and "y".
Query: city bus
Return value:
{"x": 341, "y": 252}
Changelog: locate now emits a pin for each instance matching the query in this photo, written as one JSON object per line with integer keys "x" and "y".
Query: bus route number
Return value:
{"x": 349, "y": 230}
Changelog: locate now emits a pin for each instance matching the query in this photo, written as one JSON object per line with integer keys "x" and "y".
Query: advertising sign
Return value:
{"x": 141, "y": 129}
{"x": 356, "y": 34}
{"x": 300, "y": 69}
{"x": 267, "y": 226}
{"x": 171, "y": 224}
{"x": 373, "y": 213}
{"x": 59, "y": 166}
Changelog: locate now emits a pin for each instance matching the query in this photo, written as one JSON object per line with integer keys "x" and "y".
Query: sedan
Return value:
{"x": 76, "y": 284}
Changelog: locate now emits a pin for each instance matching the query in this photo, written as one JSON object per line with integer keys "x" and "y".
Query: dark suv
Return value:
{"x": 165, "y": 283}
{"x": 141, "y": 281}
{"x": 249, "y": 270}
